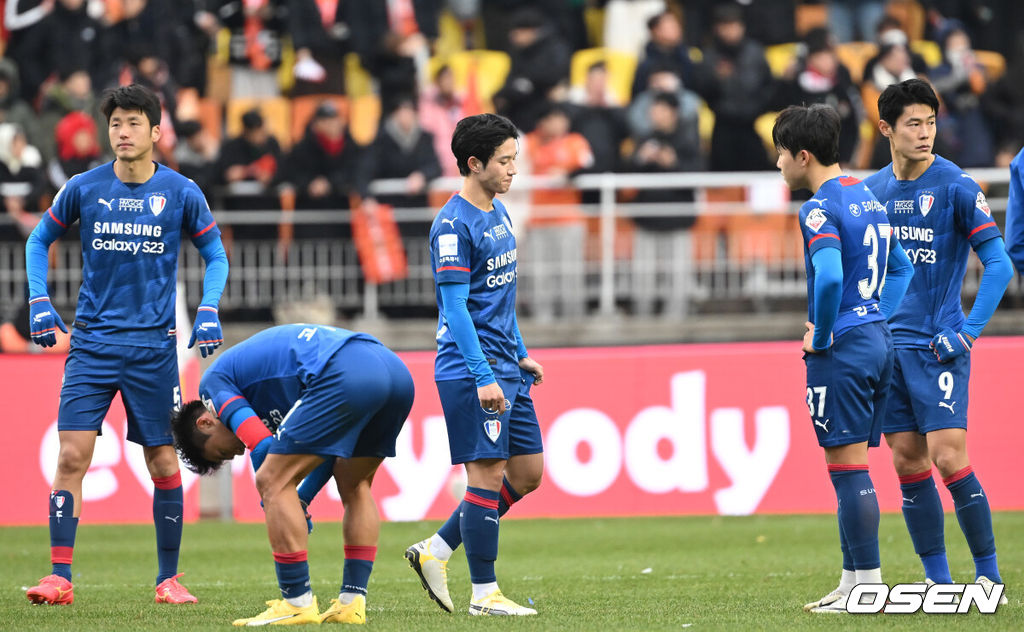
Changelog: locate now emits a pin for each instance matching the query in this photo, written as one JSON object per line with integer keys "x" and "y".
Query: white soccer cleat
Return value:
{"x": 989, "y": 586}
{"x": 835, "y": 606}
{"x": 497, "y": 604}
{"x": 433, "y": 573}
{"x": 827, "y": 600}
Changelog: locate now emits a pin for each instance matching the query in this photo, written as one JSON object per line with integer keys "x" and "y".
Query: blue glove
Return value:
{"x": 43, "y": 321}
{"x": 949, "y": 345}
{"x": 259, "y": 453}
{"x": 206, "y": 330}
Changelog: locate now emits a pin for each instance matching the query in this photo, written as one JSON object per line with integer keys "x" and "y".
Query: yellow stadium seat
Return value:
{"x": 489, "y": 68}
{"x": 358, "y": 81}
{"x": 855, "y": 56}
{"x": 277, "y": 115}
{"x": 780, "y": 57}
{"x": 763, "y": 126}
{"x": 929, "y": 50}
{"x": 621, "y": 68}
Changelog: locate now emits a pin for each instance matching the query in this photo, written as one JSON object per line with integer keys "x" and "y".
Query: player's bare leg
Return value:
{"x": 524, "y": 472}
{"x": 76, "y": 449}
{"x": 361, "y": 526}
{"x": 276, "y": 482}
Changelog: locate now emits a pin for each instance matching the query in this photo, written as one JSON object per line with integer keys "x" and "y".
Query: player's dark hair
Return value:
{"x": 132, "y": 97}
{"x": 898, "y": 96}
{"x": 480, "y": 136}
{"x": 188, "y": 441}
{"x": 814, "y": 128}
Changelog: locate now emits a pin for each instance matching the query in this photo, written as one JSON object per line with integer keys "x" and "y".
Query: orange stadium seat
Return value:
{"x": 358, "y": 81}
{"x": 809, "y": 16}
{"x": 911, "y": 16}
{"x": 621, "y": 68}
{"x": 211, "y": 117}
{"x": 276, "y": 111}
{"x": 363, "y": 118}
{"x": 304, "y": 106}
{"x": 994, "y": 63}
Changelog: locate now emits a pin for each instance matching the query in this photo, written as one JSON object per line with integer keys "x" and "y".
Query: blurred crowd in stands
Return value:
{"x": 300, "y": 104}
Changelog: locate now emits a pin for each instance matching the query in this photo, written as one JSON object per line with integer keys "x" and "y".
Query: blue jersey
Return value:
{"x": 844, "y": 215}
{"x": 131, "y": 236}
{"x": 1015, "y": 213}
{"x": 477, "y": 247}
{"x": 268, "y": 371}
{"x": 938, "y": 218}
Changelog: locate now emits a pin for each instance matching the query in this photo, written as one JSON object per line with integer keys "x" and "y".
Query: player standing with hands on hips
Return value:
{"x": 134, "y": 214}
{"x": 940, "y": 213}
{"x": 848, "y": 251}
{"x": 482, "y": 371}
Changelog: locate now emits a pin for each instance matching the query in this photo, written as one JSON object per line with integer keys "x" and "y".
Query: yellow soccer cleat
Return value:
{"x": 281, "y": 612}
{"x": 354, "y": 612}
{"x": 497, "y": 604}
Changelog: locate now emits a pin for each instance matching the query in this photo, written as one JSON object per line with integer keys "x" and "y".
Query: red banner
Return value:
{"x": 666, "y": 430}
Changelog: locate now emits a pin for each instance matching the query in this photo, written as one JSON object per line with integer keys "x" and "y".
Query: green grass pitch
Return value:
{"x": 697, "y": 573}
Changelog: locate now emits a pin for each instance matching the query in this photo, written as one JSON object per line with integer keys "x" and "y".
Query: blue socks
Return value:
{"x": 451, "y": 531}
{"x": 922, "y": 511}
{"x": 858, "y": 514}
{"x": 479, "y": 526}
{"x": 358, "y": 566}
{"x": 975, "y": 517}
{"x": 292, "y": 573}
{"x": 168, "y": 500}
{"x": 63, "y": 526}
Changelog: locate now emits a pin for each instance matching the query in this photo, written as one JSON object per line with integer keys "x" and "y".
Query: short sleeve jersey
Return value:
{"x": 268, "y": 371}
{"x": 843, "y": 214}
{"x": 937, "y": 218}
{"x": 131, "y": 235}
{"x": 468, "y": 245}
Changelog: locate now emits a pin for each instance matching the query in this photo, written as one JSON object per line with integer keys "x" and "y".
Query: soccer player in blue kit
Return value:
{"x": 848, "y": 251}
{"x": 1015, "y": 213}
{"x": 303, "y": 397}
{"x": 939, "y": 213}
{"x": 134, "y": 214}
{"x": 482, "y": 370}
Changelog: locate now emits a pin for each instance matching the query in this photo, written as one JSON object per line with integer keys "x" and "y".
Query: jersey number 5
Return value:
{"x": 867, "y": 286}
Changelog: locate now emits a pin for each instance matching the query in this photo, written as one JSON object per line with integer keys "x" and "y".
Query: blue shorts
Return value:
{"x": 146, "y": 377}
{"x": 475, "y": 434}
{"x": 848, "y": 384}
{"x": 355, "y": 407}
{"x": 927, "y": 395}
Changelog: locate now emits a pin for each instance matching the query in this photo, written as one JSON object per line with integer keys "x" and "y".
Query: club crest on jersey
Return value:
{"x": 855, "y": 210}
{"x": 815, "y": 219}
{"x": 982, "y": 204}
{"x": 157, "y": 202}
{"x": 493, "y": 429}
{"x": 925, "y": 201}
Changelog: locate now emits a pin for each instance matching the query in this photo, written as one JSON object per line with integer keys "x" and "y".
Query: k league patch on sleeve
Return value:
{"x": 982, "y": 204}
{"x": 448, "y": 246}
{"x": 815, "y": 219}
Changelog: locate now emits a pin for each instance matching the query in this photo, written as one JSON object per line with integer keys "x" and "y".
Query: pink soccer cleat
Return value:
{"x": 171, "y": 591}
{"x": 52, "y": 589}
